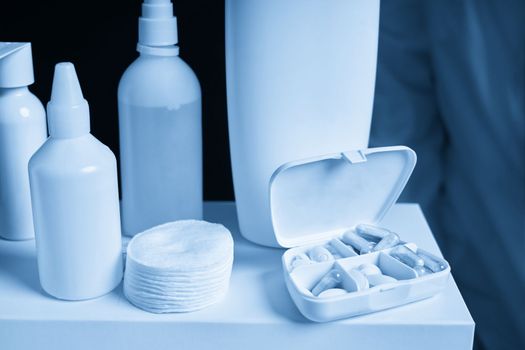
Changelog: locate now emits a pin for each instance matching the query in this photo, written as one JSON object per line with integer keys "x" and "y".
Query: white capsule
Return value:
{"x": 320, "y": 254}
{"x": 331, "y": 280}
{"x": 434, "y": 264}
{"x": 300, "y": 260}
{"x": 333, "y": 251}
{"x": 369, "y": 269}
{"x": 422, "y": 271}
{"x": 359, "y": 243}
{"x": 371, "y": 232}
{"x": 389, "y": 241}
{"x": 332, "y": 292}
{"x": 406, "y": 256}
{"x": 341, "y": 248}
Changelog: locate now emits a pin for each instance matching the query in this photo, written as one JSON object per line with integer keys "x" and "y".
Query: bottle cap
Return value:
{"x": 67, "y": 111}
{"x": 16, "y": 65}
{"x": 157, "y": 25}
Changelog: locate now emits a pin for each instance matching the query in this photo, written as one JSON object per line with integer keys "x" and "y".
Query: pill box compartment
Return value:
{"x": 407, "y": 289}
{"x": 315, "y": 200}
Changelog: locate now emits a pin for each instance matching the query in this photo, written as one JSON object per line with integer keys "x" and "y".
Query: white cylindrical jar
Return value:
{"x": 300, "y": 81}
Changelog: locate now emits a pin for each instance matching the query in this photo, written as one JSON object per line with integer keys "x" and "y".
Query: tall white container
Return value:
{"x": 74, "y": 190}
{"x": 22, "y": 131}
{"x": 300, "y": 80}
{"x": 159, "y": 100}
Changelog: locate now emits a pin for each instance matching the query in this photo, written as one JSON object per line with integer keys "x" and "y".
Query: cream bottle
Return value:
{"x": 22, "y": 131}
{"x": 74, "y": 190}
{"x": 300, "y": 82}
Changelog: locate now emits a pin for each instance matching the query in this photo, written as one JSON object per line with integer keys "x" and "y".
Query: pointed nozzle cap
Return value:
{"x": 16, "y": 65}
{"x": 67, "y": 111}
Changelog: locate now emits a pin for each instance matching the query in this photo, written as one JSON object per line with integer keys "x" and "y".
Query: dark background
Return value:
{"x": 100, "y": 37}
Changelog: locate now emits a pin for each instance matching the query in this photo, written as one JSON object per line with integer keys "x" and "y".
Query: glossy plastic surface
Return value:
{"x": 318, "y": 198}
{"x": 160, "y": 141}
{"x": 257, "y": 313}
{"x": 408, "y": 287}
{"x": 22, "y": 131}
{"x": 157, "y": 25}
{"x": 16, "y": 65}
{"x": 74, "y": 191}
{"x": 300, "y": 82}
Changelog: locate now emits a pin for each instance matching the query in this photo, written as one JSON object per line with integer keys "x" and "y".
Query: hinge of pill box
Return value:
{"x": 354, "y": 156}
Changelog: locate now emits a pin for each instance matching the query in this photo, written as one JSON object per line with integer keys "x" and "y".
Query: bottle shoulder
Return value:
{"x": 21, "y": 107}
{"x": 83, "y": 154}
{"x": 156, "y": 80}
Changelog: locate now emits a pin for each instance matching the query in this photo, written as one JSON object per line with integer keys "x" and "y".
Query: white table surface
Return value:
{"x": 257, "y": 313}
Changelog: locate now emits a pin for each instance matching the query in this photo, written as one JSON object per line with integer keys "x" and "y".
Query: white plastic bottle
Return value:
{"x": 74, "y": 190}
{"x": 159, "y": 101}
{"x": 300, "y": 83}
{"x": 22, "y": 131}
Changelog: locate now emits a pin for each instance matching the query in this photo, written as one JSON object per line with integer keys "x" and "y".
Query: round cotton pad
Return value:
{"x": 182, "y": 245}
{"x": 179, "y": 266}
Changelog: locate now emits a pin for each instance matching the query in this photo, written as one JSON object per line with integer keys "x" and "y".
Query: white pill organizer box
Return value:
{"x": 318, "y": 199}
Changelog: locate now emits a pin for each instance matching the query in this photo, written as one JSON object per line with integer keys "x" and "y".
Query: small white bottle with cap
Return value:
{"x": 74, "y": 190}
{"x": 22, "y": 131}
{"x": 159, "y": 100}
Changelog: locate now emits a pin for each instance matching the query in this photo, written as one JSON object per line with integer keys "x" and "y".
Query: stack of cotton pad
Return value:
{"x": 180, "y": 266}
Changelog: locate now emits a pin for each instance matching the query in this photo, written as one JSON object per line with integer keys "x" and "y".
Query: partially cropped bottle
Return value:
{"x": 74, "y": 189}
{"x": 22, "y": 131}
{"x": 159, "y": 100}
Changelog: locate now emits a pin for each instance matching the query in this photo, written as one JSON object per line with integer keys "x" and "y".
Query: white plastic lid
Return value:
{"x": 314, "y": 199}
{"x": 67, "y": 111}
{"x": 16, "y": 65}
{"x": 157, "y": 25}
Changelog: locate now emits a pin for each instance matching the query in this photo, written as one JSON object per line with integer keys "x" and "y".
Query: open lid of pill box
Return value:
{"x": 315, "y": 199}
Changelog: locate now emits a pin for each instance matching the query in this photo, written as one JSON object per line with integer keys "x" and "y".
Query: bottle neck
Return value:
{"x": 16, "y": 91}
{"x": 67, "y": 122}
{"x": 159, "y": 51}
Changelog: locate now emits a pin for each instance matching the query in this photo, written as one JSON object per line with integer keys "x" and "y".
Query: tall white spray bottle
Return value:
{"x": 74, "y": 188}
{"x": 22, "y": 131}
{"x": 159, "y": 101}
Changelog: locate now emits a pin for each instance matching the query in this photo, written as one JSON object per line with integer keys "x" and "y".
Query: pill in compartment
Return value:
{"x": 331, "y": 280}
{"x": 320, "y": 254}
{"x": 299, "y": 260}
{"x": 362, "y": 245}
{"x": 371, "y": 232}
{"x": 433, "y": 264}
{"x": 389, "y": 241}
{"x": 342, "y": 249}
{"x": 407, "y": 256}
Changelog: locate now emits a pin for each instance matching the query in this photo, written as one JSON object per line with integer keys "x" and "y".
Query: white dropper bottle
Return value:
{"x": 22, "y": 131}
{"x": 159, "y": 101}
{"x": 74, "y": 191}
